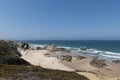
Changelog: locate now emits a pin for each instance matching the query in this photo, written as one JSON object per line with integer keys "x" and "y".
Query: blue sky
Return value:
{"x": 60, "y": 19}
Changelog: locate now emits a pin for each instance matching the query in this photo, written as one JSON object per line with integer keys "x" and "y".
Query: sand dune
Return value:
{"x": 38, "y": 58}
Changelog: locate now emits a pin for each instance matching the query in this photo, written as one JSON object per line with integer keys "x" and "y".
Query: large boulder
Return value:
{"x": 54, "y": 48}
{"x": 50, "y": 47}
{"x": 38, "y": 48}
{"x": 24, "y": 45}
{"x": 62, "y": 49}
{"x": 45, "y": 46}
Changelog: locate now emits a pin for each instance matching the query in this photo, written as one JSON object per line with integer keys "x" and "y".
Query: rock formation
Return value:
{"x": 23, "y": 45}
{"x": 98, "y": 63}
{"x": 66, "y": 58}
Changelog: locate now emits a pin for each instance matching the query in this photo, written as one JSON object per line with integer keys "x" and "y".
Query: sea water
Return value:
{"x": 106, "y": 48}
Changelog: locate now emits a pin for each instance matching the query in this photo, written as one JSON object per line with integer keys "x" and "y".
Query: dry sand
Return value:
{"x": 37, "y": 57}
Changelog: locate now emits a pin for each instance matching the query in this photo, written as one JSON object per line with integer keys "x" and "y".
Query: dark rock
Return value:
{"x": 47, "y": 55}
{"x": 116, "y": 61}
{"x": 62, "y": 49}
{"x": 84, "y": 48}
{"x": 66, "y": 58}
{"x": 80, "y": 57}
{"x": 24, "y": 45}
{"x": 38, "y": 48}
{"x": 98, "y": 63}
{"x": 17, "y": 53}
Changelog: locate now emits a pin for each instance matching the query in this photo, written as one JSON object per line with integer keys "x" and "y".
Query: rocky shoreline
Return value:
{"x": 51, "y": 57}
{"x": 99, "y": 68}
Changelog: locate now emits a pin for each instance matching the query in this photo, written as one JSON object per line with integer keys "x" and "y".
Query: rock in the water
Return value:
{"x": 62, "y": 49}
{"x": 45, "y": 46}
{"x": 51, "y": 47}
{"x": 54, "y": 48}
{"x": 84, "y": 48}
{"x": 38, "y": 48}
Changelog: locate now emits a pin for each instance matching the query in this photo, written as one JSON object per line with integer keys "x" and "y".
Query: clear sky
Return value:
{"x": 60, "y": 19}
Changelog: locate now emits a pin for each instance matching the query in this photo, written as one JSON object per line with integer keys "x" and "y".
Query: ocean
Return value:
{"x": 106, "y": 48}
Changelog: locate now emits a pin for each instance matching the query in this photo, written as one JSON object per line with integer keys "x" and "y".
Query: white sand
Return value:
{"x": 37, "y": 57}
{"x": 89, "y": 76}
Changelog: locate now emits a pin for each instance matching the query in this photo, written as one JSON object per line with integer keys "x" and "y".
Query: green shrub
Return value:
{"x": 13, "y": 71}
{"x": 9, "y": 54}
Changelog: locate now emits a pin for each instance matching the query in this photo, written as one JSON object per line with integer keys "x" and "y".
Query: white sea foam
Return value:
{"x": 88, "y": 51}
{"x": 36, "y": 45}
{"x": 111, "y": 56}
{"x": 102, "y": 53}
{"x": 64, "y": 47}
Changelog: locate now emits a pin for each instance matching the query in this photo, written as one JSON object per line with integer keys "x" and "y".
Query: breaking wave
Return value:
{"x": 85, "y": 50}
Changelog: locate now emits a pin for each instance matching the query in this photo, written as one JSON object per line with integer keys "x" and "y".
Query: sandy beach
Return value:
{"x": 80, "y": 66}
{"x": 59, "y": 39}
{"x": 38, "y": 58}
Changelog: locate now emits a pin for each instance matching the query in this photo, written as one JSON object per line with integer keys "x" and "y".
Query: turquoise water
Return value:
{"x": 110, "y": 48}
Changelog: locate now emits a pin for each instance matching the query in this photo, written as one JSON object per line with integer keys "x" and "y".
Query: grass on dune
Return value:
{"x": 13, "y": 72}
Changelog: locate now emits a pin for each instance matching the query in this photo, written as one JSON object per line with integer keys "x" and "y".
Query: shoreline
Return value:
{"x": 89, "y": 51}
{"x": 50, "y": 59}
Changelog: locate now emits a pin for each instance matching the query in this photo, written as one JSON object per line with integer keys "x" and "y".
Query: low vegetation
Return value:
{"x": 12, "y": 67}
{"x": 9, "y": 54}
{"x": 22, "y": 72}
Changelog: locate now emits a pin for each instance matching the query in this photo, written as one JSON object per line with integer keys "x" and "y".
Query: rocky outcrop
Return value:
{"x": 84, "y": 48}
{"x": 80, "y": 57}
{"x": 54, "y": 48}
{"x": 62, "y": 49}
{"x": 99, "y": 63}
{"x": 38, "y": 48}
{"x": 66, "y": 58}
{"x": 50, "y": 47}
{"x": 45, "y": 46}
{"x": 9, "y": 54}
{"x": 23, "y": 45}
{"x": 116, "y": 61}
